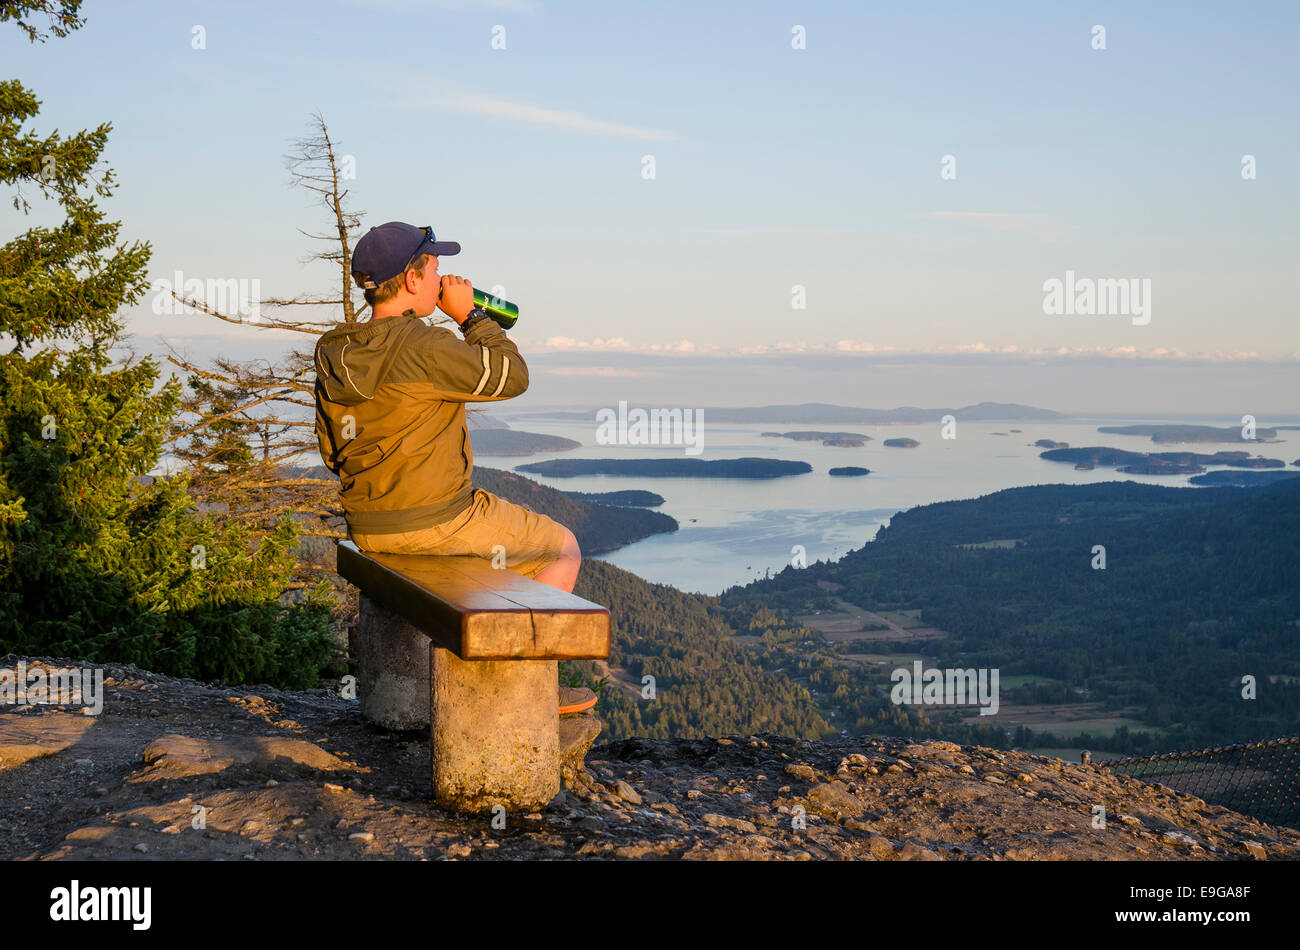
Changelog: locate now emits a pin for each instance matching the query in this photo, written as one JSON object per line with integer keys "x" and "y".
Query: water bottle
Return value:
{"x": 502, "y": 311}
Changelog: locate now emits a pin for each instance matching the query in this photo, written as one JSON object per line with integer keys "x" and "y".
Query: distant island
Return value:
{"x": 837, "y": 439}
{"x": 901, "y": 443}
{"x": 669, "y": 467}
{"x": 598, "y": 528}
{"x": 1242, "y": 479}
{"x": 1155, "y": 463}
{"x": 1049, "y": 444}
{"x": 507, "y": 442}
{"x": 814, "y": 413}
{"x": 630, "y": 498}
{"x": 1182, "y": 433}
{"x": 1153, "y": 466}
{"x": 848, "y": 470}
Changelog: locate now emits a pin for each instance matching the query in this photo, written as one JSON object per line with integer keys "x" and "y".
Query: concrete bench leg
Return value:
{"x": 496, "y": 727}
{"x": 392, "y": 668}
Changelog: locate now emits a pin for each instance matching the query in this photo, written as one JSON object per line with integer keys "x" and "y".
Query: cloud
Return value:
{"x": 620, "y": 344}
{"x": 601, "y": 371}
{"x": 572, "y": 343}
{"x": 1041, "y": 226}
{"x": 848, "y": 348}
{"x": 478, "y": 104}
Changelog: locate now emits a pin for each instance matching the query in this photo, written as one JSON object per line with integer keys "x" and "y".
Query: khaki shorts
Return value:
{"x": 528, "y": 540}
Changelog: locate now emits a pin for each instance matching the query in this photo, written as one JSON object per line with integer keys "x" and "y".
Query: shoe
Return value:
{"x": 575, "y": 699}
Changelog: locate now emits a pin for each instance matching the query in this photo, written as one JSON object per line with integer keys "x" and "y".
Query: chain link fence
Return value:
{"x": 1259, "y": 779}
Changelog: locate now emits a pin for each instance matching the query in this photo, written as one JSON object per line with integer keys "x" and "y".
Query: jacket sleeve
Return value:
{"x": 324, "y": 436}
{"x": 483, "y": 367}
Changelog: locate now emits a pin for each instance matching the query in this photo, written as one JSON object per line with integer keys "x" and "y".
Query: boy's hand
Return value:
{"x": 457, "y": 297}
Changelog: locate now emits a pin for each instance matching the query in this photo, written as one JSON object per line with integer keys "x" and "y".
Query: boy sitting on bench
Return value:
{"x": 390, "y": 419}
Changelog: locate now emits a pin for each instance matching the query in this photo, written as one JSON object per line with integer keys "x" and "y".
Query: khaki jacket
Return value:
{"x": 390, "y": 415}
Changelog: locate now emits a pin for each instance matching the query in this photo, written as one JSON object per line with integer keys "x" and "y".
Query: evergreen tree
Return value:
{"x": 99, "y": 561}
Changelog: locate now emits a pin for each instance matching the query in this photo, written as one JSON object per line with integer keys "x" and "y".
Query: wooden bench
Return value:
{"x": 471, "y": 653}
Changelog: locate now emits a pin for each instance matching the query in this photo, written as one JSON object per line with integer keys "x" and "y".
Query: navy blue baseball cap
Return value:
{"x": 387, "y": 250}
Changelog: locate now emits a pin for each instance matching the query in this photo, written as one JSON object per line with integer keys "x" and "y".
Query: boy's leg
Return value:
{"x": 563, "y": 572}
{"x": 496, "y": 530}
{"x": 493, "y": 528}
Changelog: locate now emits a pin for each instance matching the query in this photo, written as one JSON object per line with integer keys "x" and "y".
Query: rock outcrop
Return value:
{"x": 179, "y": 769}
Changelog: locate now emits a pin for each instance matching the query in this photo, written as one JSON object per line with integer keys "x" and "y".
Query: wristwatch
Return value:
{"x": 472, "y": 317}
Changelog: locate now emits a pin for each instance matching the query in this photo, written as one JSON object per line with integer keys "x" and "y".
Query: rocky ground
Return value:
{"x": 179, "y": 769}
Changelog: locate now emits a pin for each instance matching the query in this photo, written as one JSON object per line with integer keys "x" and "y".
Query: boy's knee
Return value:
{"x": 571, "y": 549}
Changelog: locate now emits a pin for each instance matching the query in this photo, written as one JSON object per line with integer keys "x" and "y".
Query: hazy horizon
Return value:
{"x": 863, "y": 220}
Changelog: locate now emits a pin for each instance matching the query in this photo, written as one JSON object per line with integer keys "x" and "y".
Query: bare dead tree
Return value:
{"x": 246, "y": 427}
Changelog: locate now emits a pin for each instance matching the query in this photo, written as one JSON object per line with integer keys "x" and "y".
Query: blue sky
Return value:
{"x": 774, "y": 167}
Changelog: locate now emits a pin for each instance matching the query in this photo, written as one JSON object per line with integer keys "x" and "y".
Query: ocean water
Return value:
{"x": 734, "y": 530}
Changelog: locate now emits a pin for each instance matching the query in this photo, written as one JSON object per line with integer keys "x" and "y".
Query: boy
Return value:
{"x": 390, "y": 417}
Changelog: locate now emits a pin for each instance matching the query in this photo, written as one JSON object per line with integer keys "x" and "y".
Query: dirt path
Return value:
{"x": 180, "y": 769}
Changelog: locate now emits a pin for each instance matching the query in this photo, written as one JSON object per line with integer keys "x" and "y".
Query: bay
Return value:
{"x": 735, "y": 530}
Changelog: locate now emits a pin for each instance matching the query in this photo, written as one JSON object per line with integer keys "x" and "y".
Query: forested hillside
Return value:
{"x": 1200, "y": 589}
{"x": 703, "y": 683}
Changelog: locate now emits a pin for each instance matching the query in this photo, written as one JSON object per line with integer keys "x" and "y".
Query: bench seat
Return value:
{"x": 471, "y": 653}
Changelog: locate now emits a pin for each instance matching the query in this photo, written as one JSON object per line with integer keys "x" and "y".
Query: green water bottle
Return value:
{"x": 502, "y": 311}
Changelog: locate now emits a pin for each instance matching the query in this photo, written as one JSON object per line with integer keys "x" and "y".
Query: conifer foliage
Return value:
{"x": 98, "y": 560}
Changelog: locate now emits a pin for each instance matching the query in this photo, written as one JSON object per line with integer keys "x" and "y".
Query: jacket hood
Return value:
{"x": 353, "y": 360}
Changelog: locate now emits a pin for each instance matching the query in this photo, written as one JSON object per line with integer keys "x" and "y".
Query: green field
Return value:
{"x": 1072, "y": 727}
{"x": 904, "y": 618}
{"x": 891, "y": 659}
{"x": 1022, "y": 679}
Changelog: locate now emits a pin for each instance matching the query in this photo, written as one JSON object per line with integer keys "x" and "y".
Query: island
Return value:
{"x": 668, "y": 467}
{"x": 901, "y": 443}
{"x": 1154, "y": 466}
{"x": 629, "y": 498}
{"x": 598, "y": 528}
{"x": 1049, "y": 444}
{"x": 1155, "y": 463}
{"x": 507, "y": 442}
{"x": 1242, "y": 479}
{"x": 820, "y": 413}
{"x": 839, "y": 439}
{"x": 848, "y": 470}
{"x": 1183, "y": 433}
